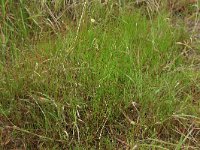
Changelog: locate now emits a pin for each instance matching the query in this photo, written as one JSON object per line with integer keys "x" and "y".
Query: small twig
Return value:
{"x": 129, "y": 120}
{"x": 101, "y": 131}
{"x": 80, "y": 21}
{"x": 123, "y": 142}
{"x": 53, "y": 17}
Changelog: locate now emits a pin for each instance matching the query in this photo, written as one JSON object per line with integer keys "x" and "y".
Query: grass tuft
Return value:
{"x": 88, "y": 75}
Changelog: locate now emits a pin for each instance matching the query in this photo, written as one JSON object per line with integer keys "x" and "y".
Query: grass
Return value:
{"x": 116, "y": 78}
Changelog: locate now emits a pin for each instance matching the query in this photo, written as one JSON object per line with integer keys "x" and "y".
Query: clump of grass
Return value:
{"x": 118, "y": 81}
{"x": 27, "y": 21}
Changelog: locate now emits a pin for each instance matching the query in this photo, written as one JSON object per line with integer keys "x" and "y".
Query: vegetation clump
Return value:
{"x": 91, "y": 74}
